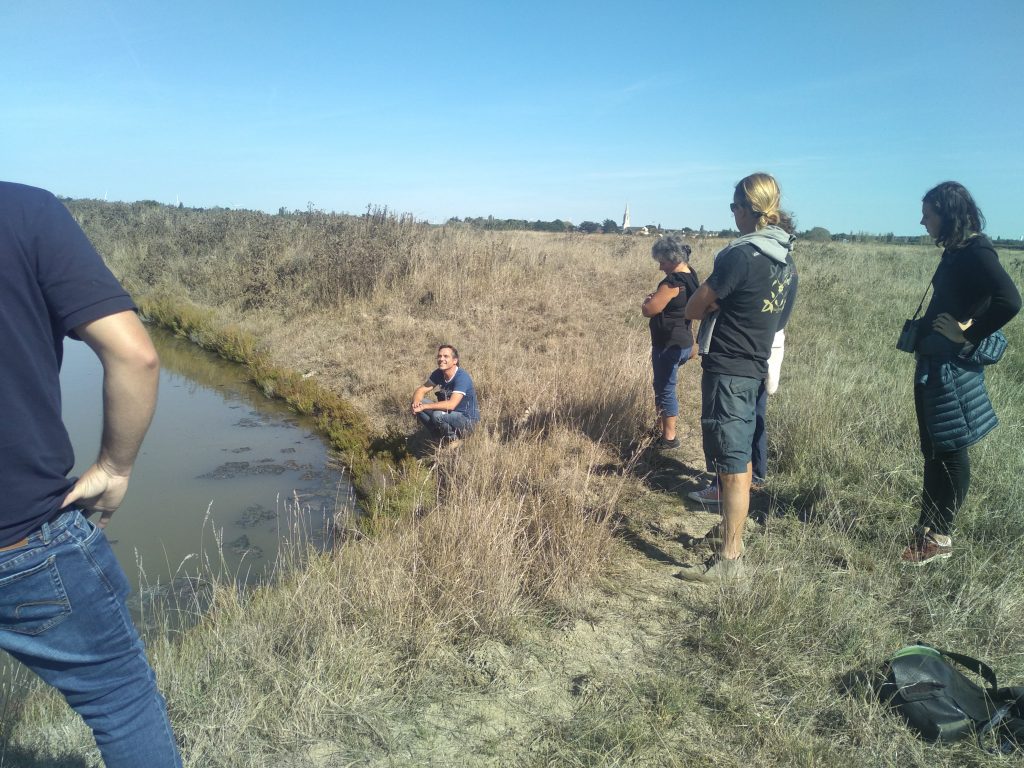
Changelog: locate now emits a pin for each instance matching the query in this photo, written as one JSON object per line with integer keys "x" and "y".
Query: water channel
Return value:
{"x": 225, "y": 474}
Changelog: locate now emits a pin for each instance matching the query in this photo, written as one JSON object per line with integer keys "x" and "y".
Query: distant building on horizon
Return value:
{"x": 630, "y": 230}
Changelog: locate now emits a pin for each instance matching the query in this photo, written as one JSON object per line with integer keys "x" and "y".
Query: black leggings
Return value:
{"x": 947, "y": 478}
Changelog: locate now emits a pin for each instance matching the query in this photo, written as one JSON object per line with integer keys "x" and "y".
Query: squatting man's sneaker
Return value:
{"x": 715, "y": 570}
{"x": 709, "y": 495}
{"x": 927, "y": 546}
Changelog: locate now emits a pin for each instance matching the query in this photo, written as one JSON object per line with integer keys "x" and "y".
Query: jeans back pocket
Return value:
{"x": 33, "y": 600}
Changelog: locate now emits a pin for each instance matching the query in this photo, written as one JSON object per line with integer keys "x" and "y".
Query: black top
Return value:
{"x": 752, "y": 291}
{"x": 971, "y": 283}
{"x": 53, "y": 281}
{"x": 670, "y": 328}
{"x": 790, "y": 298}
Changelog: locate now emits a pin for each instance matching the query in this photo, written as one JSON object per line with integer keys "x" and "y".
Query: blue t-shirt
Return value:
{"x": 53, "y": 281}
{"x": 462, "y": 383}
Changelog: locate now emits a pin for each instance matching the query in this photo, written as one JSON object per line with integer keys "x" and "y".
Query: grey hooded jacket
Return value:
{"x": 772, "y": 241}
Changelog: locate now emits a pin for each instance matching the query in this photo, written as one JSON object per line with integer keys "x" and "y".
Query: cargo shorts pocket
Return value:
{"x": 33, "y": 600}
{"x": 711, "y": 431}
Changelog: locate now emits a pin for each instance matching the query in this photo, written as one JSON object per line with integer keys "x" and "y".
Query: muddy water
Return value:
{"x": 224, "y": 474}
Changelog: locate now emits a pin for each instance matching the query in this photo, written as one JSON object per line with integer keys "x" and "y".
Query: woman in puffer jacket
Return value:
{"x": 973, "y": 297}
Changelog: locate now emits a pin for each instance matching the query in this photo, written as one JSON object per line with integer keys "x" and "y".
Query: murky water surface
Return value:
{"x": 219, "y": 473}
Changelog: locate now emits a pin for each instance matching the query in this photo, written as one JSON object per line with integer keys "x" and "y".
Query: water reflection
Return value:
{"x": 223, "y": 475}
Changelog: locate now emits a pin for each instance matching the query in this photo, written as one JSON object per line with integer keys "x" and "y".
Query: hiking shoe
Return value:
{"x": 661, "y": 443}
{"x": 715, "y": 570}
{"x": 709, "y": 495}
{"x": 926, "y": 547}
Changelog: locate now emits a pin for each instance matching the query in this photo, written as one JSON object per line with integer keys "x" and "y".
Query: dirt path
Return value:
{"x": 514, "y": 699}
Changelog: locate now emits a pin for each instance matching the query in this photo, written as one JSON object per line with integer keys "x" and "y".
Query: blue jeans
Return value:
{"x": 446, "y": 424}
{"x": 665, "y": 362}
{"x": 63, "y": 615}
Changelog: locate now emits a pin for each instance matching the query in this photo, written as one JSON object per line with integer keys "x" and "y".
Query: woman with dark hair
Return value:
{"x": 671, "y": 337}
{"x": 972, "y": 298}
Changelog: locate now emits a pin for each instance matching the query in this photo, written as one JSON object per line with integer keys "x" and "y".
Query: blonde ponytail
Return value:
{"x": 761, "y": 193}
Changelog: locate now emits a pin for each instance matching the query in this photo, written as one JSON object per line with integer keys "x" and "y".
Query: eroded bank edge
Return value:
{"x": 388, "y": 481}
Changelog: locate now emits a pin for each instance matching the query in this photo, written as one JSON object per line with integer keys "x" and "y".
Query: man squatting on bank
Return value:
{"x": 62, "y": 591}
{"x": 455, "y": 412}
{"x": 739, "y": 305}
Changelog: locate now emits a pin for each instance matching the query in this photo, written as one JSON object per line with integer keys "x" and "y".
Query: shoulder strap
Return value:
{"x": 918, "y": 312}
{"x": 1008, "y": 700}
{"x": 973, "y": 665}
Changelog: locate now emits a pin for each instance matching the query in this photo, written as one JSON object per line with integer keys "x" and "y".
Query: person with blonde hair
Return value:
{"x": 671, "y": 336}
{"x": 711, "y": 494}
{"x": 739, "y": 307}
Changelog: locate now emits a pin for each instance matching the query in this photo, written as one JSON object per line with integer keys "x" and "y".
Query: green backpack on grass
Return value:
{"x": 943, "y": 705}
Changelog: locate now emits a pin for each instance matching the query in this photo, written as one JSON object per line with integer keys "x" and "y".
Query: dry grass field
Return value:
{"x": 524, "y": 611}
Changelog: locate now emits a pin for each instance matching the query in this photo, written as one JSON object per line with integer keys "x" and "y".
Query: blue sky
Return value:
{"x": 535, "y": 110}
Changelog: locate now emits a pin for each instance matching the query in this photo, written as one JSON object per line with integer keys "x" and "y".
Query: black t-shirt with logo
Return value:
{"x": 752, "y": 291}
{"x": 670, "y": 328}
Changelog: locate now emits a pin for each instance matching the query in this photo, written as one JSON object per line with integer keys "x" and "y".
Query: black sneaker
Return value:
{"x": 707, "y": 495}
{"x": 662, "y": 444}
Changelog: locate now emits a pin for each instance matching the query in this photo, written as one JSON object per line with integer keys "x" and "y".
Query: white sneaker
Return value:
{"x": 709, "y": 495}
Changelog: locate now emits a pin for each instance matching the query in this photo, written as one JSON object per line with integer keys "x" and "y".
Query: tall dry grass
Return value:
{"x": 350, "y": 655}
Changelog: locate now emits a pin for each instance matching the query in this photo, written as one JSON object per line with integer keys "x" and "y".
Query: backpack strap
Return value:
{"x": 979, "y": 667}
{"x": 1007, "y": 700}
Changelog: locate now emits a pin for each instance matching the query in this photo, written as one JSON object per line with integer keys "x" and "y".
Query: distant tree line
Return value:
{"x": 492, "y": 223}
{"x": 610, "y": 227}
{"x": 607, "y": 227}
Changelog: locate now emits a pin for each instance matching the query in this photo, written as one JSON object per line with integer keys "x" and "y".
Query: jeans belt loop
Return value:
{"x": 44, "y": 533}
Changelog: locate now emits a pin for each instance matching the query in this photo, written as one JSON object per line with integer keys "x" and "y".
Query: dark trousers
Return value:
{"x": 947, "y": 478}
{"x": 759, "y": 448}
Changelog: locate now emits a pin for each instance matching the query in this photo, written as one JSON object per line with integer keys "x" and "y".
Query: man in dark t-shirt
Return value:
{"x": 62, "y": 592}
{"x": 739, "y": 307}
{"x": 455, "y": 412}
